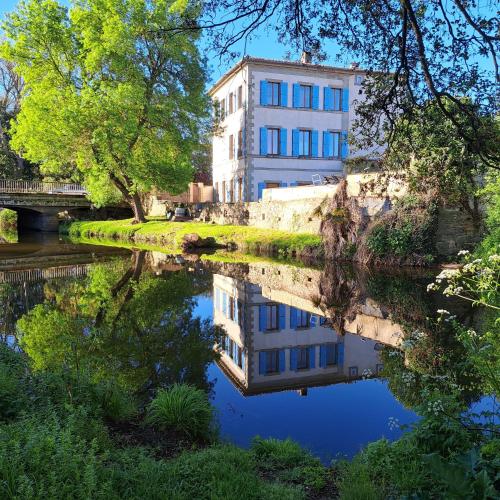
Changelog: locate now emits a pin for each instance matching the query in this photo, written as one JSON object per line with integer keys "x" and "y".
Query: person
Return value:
{"x": 169, "y": 214}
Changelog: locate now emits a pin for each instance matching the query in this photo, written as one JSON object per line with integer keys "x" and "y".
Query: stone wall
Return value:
{"x": 456, "y": 231}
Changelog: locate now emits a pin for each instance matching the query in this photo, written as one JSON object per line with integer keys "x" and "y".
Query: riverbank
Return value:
{"x": 161, "y": 233}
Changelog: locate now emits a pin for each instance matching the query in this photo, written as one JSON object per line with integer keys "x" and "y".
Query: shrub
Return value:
{"x": 354, "y": 482}
{"x": 8, "y": 219}
{"x": 183, "y": 408}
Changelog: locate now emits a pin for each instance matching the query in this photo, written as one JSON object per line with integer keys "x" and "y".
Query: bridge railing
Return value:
{"x": 34, "y": 187}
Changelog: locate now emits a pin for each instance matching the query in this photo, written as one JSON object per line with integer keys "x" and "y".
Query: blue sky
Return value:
{"x": 264, "y": 45}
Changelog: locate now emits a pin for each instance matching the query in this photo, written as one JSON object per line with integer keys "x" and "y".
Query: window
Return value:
{"x": 353, "y": 371}
{"x": 331, "y": 355}
{"x": 222, "y": 109}
{"x": 231, "y": 308}
{"x": 304, "y": 143}
{"x": 272, "y": 317}
{"x": 303, "y": 358}
{"x": 231, "y": 147}
{"x": 239, "y": 357}
{"x": 271, "y": 185}
{"x": 273, "y": 93}
{"x": 305, "y": 96}
{"x": 240, "y": 144}
{"x": 337, "y": 99}
{"x": 358, "y": 80}
{"x": 272, "y": 362}
{"x": 231, "y": 103}
{"x": 240, "y": 97}
{"x": 303, "y": 319}
{"x": 240, "y": 189}
{"x": 331, "y": 147}
{"x": 273, "y": 141}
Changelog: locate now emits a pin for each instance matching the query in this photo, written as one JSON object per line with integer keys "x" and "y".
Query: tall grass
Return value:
{"x": 184, "y": 408}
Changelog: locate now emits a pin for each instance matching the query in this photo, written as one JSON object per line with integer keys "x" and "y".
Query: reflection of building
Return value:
{"x": 272, "y": 346}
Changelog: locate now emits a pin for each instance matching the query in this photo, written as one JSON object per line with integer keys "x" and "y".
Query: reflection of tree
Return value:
{"x": 16, "y": 300}
{"x": 122, "y": 323}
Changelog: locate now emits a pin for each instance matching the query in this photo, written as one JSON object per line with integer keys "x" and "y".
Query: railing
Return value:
{"x": 33, "y": 275}
{"x": 30, "y": 187}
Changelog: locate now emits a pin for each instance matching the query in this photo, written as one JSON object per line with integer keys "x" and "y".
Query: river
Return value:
{"x": 282, "y": 349}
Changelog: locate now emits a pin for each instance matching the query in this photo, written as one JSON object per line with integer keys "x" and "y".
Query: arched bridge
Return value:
{"x": 38, "y": 204}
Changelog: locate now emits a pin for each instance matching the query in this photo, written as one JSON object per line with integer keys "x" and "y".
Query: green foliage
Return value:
{"x": 288, "y": 462}
{"x": 435, "y": 156}
{"x": 354, "y": 482}
{"x": 491, "y": 196}
{"x": 183, "y": 408}
{"x": 111, "y": 96}
{"x": 169, "y": 235}
{"x": 8, "y": 219}
{"x": 406, "y": 234}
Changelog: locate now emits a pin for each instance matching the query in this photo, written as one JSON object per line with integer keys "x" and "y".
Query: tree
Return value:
{"x": 429, "y": 150}
{"x": 414, "y": 52}
{"x": 108, "y": 93}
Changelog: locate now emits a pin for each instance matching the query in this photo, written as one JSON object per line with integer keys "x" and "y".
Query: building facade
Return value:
{"x": 279, "y": 124}
{"x": 272, "y": 346}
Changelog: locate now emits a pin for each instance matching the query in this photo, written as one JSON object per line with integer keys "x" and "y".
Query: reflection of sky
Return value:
{"x": 331, "y": 420}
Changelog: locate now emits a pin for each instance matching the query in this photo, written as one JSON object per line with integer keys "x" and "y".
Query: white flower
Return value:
{"x": 463, "y": 252}
{"x": 442, "y": 311}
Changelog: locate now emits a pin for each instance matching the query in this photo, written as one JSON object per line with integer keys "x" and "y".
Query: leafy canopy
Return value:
{"x": 107, "y": 93}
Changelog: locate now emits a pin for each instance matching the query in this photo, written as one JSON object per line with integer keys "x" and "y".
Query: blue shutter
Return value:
{"x": 243, "y": 189}
{"x": 293, "y": 359}
{"x": 296, "y": 95}
{"x": 295, "y": 142}
{"x": 228, "y": 191}
{"x": 313, "y": 320}
{"x": 344, "y": 146}
{"x": 262, "y": 318}
{"x": 322, "y": 356}
{"x": 283, "y": 138}
{"x": 326, "y": 144}
{"x": 345, "y": 100}
{"x": 262, "y": 362}
{"x": 293, "y": 317}
{"x": 243, "y": 360}
{"x": 236, "y": 319}
{"x": 235, "y": 189}
{"x": 263, "y": 140}
{"x": 263, "y": 92}
{"x": 282, "y": 311}
{"x": 314, "y": 141}
{"x": 260, "y": 187}
{"x": 282, "y": 361}
{"x": 312, "y": 356}
{"x": 294, "y": 184}
{"x": 315, "y": 97}
{"x": 244, "y": 140}
{"x": 340, "y": 354}
{"x": 328, "y": 99}
{"x": 284, "y": 94}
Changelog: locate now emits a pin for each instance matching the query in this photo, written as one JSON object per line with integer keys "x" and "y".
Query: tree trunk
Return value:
{"x": 136, "y": 203}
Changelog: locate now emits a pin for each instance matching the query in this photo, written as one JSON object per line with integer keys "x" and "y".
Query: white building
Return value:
{"x": 281, "y": 122}
{"x": 269, "y": 346}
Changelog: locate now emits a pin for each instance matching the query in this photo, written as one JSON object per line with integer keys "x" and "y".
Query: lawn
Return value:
{"x": 170, "y": 234}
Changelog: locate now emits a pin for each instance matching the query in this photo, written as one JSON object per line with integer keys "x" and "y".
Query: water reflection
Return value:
{"x": 286, "y": 332}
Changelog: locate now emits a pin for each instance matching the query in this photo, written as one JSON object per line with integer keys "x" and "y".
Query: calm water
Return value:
{"x": 276, "y": 365}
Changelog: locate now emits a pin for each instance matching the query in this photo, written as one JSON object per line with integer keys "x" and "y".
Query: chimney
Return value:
{"x": 306, "y": 57}
{"x": 354, "y": 65}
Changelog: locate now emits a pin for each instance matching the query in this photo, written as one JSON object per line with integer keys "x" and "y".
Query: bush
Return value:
{"x": 47, "y": 459}
{"x": 406, "y": 233}
{"x": 8, "y": 219}
{"x": 184, "y": 408}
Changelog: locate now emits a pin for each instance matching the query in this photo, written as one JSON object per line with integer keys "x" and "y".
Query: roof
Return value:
{"x": 276, "y": 62}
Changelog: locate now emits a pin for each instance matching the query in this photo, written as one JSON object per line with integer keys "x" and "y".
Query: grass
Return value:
{"x": 184, "y": 408}
{"x": 170, "y": 234}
